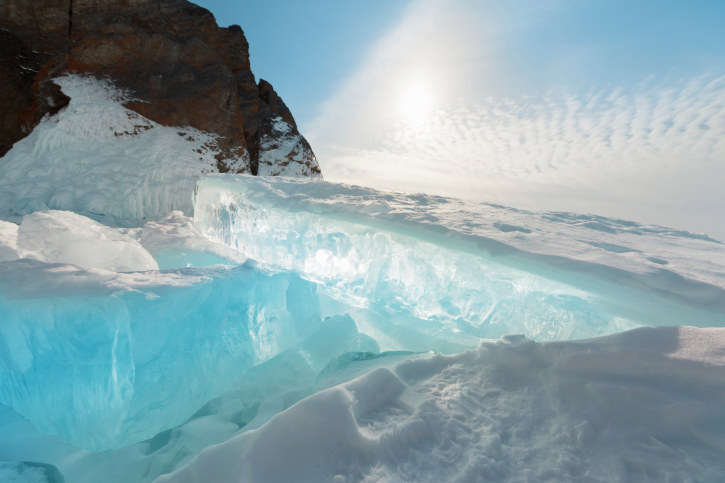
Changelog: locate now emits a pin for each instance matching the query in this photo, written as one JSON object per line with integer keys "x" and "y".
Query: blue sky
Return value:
{"x": 307, "y": 48}
{"x": 603, "y": 106}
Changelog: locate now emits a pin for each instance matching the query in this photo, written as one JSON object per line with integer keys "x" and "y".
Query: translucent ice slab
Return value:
{"x": 105, "y": 359}
{"x": 481, "y": 270}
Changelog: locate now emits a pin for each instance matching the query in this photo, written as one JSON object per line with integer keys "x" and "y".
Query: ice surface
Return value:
{"x": 619, "y": 408}
{"x": 29, "y": 472}
{"x": 175, "y": 242}
{"x": 106, "y": 359}
{"x": 259, "y": 393}
{"x": 97, "y": 157}
{"x": 548, "y": 276}
{"x": 63, "y": 237}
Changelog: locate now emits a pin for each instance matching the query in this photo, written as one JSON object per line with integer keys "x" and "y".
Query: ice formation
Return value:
{"x": 428, "y": 258}
{"x": 97, "y": 157}
{"x": 327, "y": 345}
{"x": 29, "y": 472}
{"x": 175, "y": 242}
{"x": 137, "y": 354}
{"x": 64, "y": 237}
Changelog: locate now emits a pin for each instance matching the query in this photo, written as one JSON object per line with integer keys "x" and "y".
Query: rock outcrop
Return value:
{"x": 179, "y": 67}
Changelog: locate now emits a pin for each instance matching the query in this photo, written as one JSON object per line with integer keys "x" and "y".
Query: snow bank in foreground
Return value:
{"x": 96, "y": 156}
{"x": 645, "y": 405}
{"x": 64, "y": 237}
{"x": 466, "y": 270}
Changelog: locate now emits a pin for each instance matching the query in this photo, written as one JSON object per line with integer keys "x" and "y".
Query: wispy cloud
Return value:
{"x": 653, "y": 152}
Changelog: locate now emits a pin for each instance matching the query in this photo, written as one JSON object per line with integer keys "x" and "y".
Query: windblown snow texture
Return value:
{"x": 644, "y": 405}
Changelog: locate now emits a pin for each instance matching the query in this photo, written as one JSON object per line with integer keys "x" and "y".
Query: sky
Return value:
{"x": 610, "y": 107}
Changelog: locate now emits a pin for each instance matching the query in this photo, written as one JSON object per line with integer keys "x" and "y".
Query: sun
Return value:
{"x": 415, "y": 102}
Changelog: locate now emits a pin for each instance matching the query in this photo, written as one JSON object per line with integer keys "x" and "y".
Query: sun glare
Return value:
{"x": 415, "y": 103}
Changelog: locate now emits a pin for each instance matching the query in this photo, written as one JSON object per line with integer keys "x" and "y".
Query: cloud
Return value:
{"x": 653, "y": 152}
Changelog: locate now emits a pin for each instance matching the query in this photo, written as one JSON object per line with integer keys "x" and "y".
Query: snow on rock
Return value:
{"x": 8, "y": 241}
{"x": 64, "y": 237}
{"x": 620, "y": 408}
{"x": 284, "y": 152}
{"x": 451, "y": 265}
{"x": 96, "y": 156}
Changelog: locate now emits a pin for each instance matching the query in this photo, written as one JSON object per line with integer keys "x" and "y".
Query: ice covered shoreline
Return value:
{"x": 329, "y": 343}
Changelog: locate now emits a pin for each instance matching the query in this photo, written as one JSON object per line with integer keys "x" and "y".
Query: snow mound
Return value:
{"x": 97, "y": 157}
{"x": 620, "y": 408}
{"x": 64, "y": 237}
{"x": 459, "y": 267}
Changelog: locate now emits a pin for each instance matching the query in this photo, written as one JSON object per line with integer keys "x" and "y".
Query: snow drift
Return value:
{"x": 644, "y": 405}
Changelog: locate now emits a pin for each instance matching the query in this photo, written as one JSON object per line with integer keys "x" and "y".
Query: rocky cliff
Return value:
{"x": 178, "y": 66}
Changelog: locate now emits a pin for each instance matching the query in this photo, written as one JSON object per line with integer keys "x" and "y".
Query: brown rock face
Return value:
{"x": 182, "y": 69}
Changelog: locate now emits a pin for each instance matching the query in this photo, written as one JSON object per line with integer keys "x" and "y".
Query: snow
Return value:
{"x": 309, "y": 331}
{"x": 283, "y": 153}
{"x": 97, "y": 157}
{"x": 618, "y": 408}
{"x": 64, "y": 237}
{"x": 8, "y": 241}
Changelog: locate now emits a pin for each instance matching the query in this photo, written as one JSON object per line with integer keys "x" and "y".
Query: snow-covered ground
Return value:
{"x": 263, "y": 329}
{"x": 645, "y": 405}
